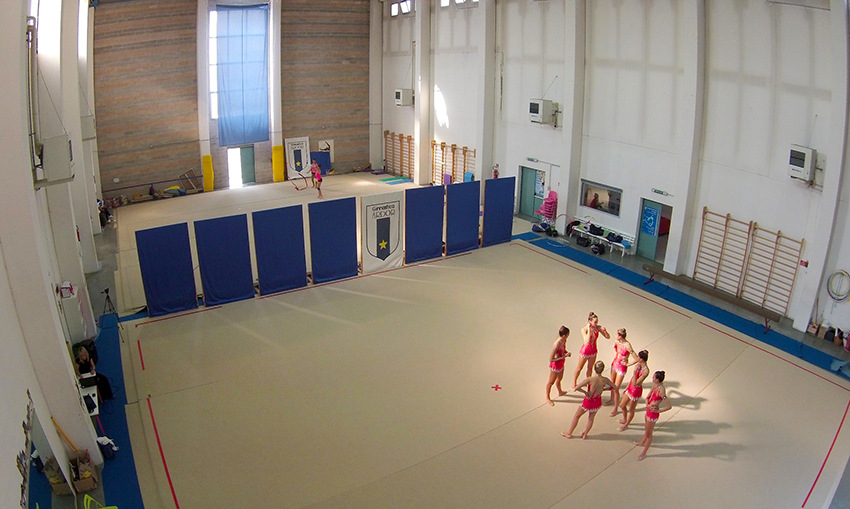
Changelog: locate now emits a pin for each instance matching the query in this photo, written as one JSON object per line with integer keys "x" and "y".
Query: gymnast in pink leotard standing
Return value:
{"x": 556, "y": 363}
{"x": 587, "y": 354}
{"x": 592, "y": 387}
{"x": 622, "y": 354}
{"x": 634, "y": 391}
{"x": 656, "y": 402}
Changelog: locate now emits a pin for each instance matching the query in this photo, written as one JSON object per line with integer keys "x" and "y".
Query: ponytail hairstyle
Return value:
{"x": 599, "y": 367}
{"x": 591, "y": 316}
{"x": 622, "y": 332}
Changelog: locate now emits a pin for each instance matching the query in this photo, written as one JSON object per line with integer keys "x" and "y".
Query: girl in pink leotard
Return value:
{"x": 634, "y": 391}
{"x": 656, "y": 402}
{"x": 622, "y": 353}
{"x": 592, "y": 387}
{"x": 556, "y": 363}
{"x": 587, "y": 354}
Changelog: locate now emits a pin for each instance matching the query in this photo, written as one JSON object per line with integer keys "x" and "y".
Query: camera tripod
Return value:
{"x": 108, "y": 306}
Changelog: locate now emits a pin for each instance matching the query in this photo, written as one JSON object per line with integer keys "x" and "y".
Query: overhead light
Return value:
{"x": 393, "y": 10}
{"x": 460, "y": 2}
{"x": 405, "y": 6}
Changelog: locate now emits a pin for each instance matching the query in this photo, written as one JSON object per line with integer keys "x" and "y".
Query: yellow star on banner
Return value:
{"x": 383, "y": 244}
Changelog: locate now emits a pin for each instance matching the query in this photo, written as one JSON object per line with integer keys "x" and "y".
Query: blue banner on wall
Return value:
{"x": 165, "y": 260}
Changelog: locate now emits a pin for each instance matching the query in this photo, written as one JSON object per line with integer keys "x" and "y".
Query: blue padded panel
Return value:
{"x": 279, "y": 245}
{"x": 498, "y": 210}
{"x": 225, "y": 259}
{"x": 333, "y": 239}
{"x": 462, "y": 214}
{"x": 323, "y": 159}
{"x": 165, "y": 259}
{"x": 423, "y": 225}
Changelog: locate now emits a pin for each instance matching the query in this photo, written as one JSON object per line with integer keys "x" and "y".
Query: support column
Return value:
{"x": 376, "y": 84}
{"x": 487, "y": 100}
{"x": 422, "y": 131}
{"x": 572, "y": 111}
{"x": 811, "y": 280}
{"x": 685, "y": 204}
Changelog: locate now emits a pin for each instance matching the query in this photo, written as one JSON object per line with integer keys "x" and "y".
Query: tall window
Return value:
{"x": 239, "y": 73}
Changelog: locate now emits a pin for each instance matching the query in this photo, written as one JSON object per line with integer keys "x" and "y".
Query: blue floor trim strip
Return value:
{"x": 120, "y": 482}
{"x": 399, "y": 181}
{"x": 752, "y": 329}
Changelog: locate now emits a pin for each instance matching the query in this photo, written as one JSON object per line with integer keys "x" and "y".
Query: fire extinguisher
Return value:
{"x": 496, "y": 171}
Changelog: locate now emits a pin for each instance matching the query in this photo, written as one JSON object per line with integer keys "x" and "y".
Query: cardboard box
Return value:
{"x": 61, "y": 489}
{"x": 83, "y": 472}
{"x": 822, "y": 331}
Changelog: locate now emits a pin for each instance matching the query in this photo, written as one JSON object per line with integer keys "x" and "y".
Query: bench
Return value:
{"x": 767, "y": 314}
{"x": 583, "y": 230}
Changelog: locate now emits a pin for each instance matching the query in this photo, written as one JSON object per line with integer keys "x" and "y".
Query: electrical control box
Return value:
{"x": 541, "y": 111}
{"x": 801, "y": 163}
{"x": 404, "y": 97}
{"x": 57, "y": 161}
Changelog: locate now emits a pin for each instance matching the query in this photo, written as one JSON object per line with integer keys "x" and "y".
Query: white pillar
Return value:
{"x": 25, "y": 242}
{"x": 572, "y": 110}
{"x": 424, "y": 89}
{"x": 810, "y": 280}
{"x": 376, "y": 84}
{"x": 684, "y": 200}
{"x": 487, "y": 99}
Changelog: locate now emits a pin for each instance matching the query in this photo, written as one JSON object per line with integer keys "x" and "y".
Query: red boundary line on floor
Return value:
{"x": 837, "y": 432}
{"x": 317, "y": 285}
{"x": 178, "y": 316}
{"x": 827, "y": 456}
{"x": 655, "y": 302}
{"x": 778, "y": 357}
{"x": 162, "y": 455}
{"x": 550, "y": 257}
{"x": 141, "y": 357}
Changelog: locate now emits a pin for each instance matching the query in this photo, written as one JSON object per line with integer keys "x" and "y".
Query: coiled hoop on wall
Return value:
{"x": 838, "y": 285}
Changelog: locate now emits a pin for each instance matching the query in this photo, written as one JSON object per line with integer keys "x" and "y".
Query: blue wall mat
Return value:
{"x": 333, "y": 239}
{"x": 165, "y": 260}
{"x": 498, "y": 210}
{"x": 324, "y": 160}
{"x": 279, "y": 244}
{"x": 225, "y": 259}
{"x": 462, "y": 215}
{"x": 423, "y": 225}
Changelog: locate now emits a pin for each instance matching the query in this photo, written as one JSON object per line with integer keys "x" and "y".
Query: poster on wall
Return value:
{"x": 649, "y": 224}
{"x": 297, "y": 156}
{"x": 381, "y": 236}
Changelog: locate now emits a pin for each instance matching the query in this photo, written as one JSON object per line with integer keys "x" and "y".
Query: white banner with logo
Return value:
{"x": 383, "y": 220}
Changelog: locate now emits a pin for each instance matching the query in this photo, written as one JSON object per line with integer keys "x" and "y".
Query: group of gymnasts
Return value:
{"x": 594, "y": 385}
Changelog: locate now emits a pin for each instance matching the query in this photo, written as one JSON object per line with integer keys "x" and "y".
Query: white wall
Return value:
{"x": 699, "y": 98}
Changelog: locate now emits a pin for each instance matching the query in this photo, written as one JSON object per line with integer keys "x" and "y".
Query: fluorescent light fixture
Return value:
{"x": 393, "y": 9}
{"x": 445, "y": 3}
{"x": 460, "y": 2}
{"x": 405, "y": 6}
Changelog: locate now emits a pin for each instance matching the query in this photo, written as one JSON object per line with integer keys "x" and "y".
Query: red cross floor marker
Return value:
{"x": 495, "y": 387}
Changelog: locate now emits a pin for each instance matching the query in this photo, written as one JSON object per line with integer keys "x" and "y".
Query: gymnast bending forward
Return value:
{"x": 592, "y": 387}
